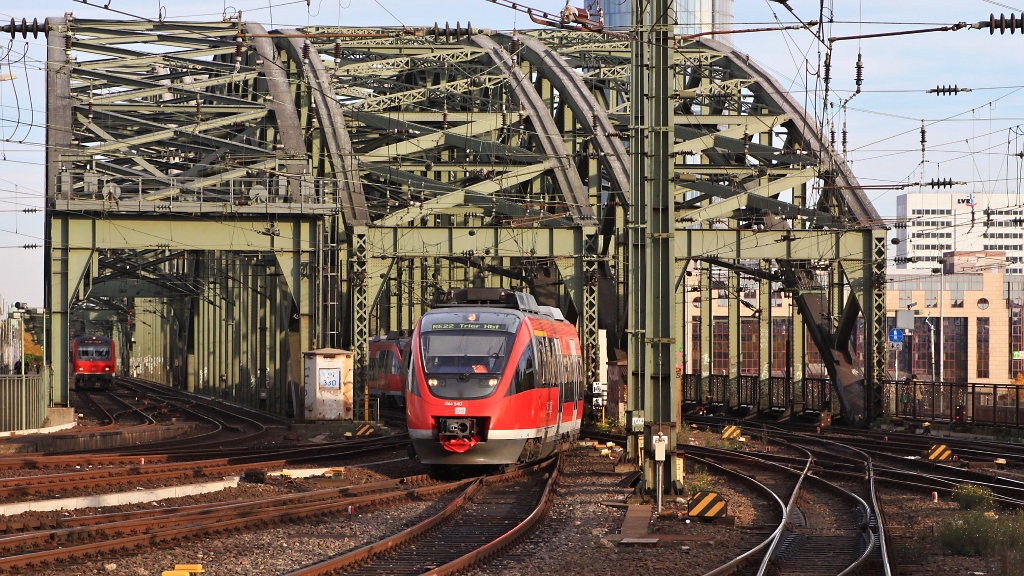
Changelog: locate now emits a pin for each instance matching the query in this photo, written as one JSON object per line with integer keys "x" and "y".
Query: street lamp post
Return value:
{"x": 18, "y": 312}
{"x": 942, "y": 333}
{"x": 942, "y": 328}
{"x": 941, "y": 271}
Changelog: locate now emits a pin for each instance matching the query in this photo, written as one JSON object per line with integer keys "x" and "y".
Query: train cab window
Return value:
{"x": 464, "y": 363}
{"x": 524, "y": 377}
{"x": 93, "y": 353}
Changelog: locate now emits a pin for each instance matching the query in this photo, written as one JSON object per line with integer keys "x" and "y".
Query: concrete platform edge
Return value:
{"x": 119, "y": 498}
{"x": 47, "y": 430}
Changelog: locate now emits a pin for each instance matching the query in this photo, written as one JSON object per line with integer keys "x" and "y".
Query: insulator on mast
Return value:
{"x": 238, "y": 52}
{"x": 1013, "y": 23}
{"x": 923, "y": 140}
{"x": 859, "y": 76}
{"x": 947, "y": 90}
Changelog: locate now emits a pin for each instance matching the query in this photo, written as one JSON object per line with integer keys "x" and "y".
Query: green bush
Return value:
{"x": 968, "y": 535}
{"x": 972, "y": 497}
{"x": 984, "y": 533}
{"x": 699, "y": 481}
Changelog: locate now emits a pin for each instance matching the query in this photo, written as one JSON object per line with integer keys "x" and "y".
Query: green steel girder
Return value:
{"x": 342, "y": 167}
{"x": 75, "y": 240}
{"x": 794, "y": 245}
{"x": 408, "y": 131}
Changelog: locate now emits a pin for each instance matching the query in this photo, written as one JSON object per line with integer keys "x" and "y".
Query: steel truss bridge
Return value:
{"x": 221, "y": 197}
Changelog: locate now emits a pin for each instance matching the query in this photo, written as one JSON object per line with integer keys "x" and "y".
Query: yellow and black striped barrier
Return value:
{"x": 184, "y": 570}
{"x": 730, "y": 432}
{"x": 706, "y": 505}
{"x": 365, "y": 430}
{"x": 939, "y": 452}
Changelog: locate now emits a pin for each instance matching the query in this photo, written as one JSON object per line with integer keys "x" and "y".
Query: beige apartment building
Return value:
{"x": 969, "y": 330}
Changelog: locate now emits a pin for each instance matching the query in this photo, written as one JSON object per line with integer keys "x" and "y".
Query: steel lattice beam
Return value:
{"x": 407, "y": 140}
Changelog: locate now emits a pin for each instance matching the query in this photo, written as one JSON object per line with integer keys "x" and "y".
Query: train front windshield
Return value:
{"x": 94, "y": 352}
{"x": 464, "y": 358}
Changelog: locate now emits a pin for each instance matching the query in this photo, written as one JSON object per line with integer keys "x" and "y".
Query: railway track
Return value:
{"x": 492, "y": 513}
{"x": 826, "y": 529}
{"x": 114, "y": 410}
{"x": 113, "y": 534}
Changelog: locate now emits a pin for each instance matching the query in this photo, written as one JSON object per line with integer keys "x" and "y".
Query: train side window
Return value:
{"x": 396, "y": 365}
{"x": 410, "y": 374}
{"x": 552, "y": 363}
{"x": 406, "y": 361}
{"x": 524, "y": 378}
{"x": 542, "y": 362}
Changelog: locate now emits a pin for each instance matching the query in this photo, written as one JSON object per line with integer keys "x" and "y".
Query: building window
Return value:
{"x": 924, "y": 363}
{"x": 983, "y": 347}
{"x": 1016, "y": 341}
{"x": 695, "y": 346}
{"x": 750, "y": 348}
{"x": 814, "y": 367}
{"x": 720, "y": 347}
{"x": 782, "y": 328}
{"x": 954, "y": 349}
{"x": 983, "y": 303}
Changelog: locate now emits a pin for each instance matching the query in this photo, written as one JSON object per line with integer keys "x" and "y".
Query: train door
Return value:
{"x": 576, "y": 378}
{"x": 545, "y": 382}
{"x": 560, "y": 383}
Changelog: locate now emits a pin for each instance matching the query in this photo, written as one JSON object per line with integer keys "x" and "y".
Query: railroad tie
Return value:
{"x": 730, "y": 432}
{"x": 939, "y": 452}
{"x": 707, "y": 505}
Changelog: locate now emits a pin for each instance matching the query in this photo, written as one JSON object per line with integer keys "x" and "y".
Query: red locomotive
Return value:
{"x": 386, "y": 369}
{"x": 93, "y": 362}
{"x": 494, "y": 379}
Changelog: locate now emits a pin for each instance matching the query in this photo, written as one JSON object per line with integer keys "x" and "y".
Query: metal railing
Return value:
{"x": 999, "y": 405}
{"x": 24, "y": 401}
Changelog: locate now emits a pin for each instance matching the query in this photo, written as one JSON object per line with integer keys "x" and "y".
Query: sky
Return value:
{"x": 971, "y": 137}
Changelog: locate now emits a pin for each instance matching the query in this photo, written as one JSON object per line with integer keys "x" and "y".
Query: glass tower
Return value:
{"x": 692, "y": 16}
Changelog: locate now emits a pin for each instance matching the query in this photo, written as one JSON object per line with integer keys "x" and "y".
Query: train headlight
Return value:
{"x": 492, "y": 382}
{"x": 432, "y": 382}
{"x": 106, "y": 368}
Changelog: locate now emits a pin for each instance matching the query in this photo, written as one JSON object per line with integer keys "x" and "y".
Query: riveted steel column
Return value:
{"x": 60, "y": 270}
{"x": 875, "y": 351}
{"x": 707, "y": 329}
{"x": 652, "y": 232}
{"x": 735, "y": 329}
{"x": 360, "y": 307}
{"x": 798, "y": 358}
{"x": 588, "y": 318}
{"x": 766, "y": 341}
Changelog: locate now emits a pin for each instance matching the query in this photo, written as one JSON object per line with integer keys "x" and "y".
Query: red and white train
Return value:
{"x": 93, "y": 362}
{"x": 493, "y": 379}
{"x": 386, "y": 373}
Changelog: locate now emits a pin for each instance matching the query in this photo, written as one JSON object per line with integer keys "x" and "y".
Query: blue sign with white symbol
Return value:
{"x": 895, "y": 335}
